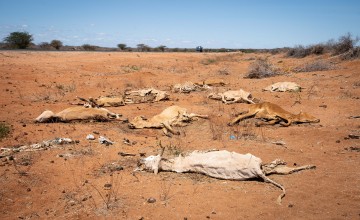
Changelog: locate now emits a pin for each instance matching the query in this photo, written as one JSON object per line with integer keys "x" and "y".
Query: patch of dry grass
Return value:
{"x": 262, "y": 68}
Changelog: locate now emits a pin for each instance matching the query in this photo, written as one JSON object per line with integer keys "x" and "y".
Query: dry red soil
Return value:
{"x": 70, "y": 182}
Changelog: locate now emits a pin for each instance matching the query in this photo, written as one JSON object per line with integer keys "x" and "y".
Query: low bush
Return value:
{"x": 89, "y": 47}
{"x": 344, "y": 44}
{"x": 351, "y": 54}
{"x": 4, "y": 130}
{"x": 299, "y": 52}
{"x": 318, "y": 65}
{"x": 261, "y": 68}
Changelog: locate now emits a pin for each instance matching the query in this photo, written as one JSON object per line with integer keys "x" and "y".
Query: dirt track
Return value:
{"x": 46, "y": 185}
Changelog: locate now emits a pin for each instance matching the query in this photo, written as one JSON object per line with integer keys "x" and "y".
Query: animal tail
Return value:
{"x": 267, "y": 179}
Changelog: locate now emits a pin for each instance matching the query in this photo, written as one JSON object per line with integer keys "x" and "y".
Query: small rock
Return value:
{"x": 282, "y": 143}
{"x": 337, "y": 141}
{"x": 354, "y": 136}
{"x": 72, "y": 202}
{"x": 151, "y": 200}
{"x": 127, "y": 141}
{"x": 90, "y": 137}
{"x": 104, "y": 140}
{"x": 28, "y": 189}
{"x": 290, "y": 205}
{"x": 123, "y": 154}
{"x": 323, "y": 106}
{"x": 107, "y": 185}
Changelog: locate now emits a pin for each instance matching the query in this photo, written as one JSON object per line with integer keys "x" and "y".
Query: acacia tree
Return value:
{"x": 122, "y": 46}
{"x": 56, "y": 44}
{"x": 161, "y": 48}
{"x": 141, "y": 47}
{"x": 19, "y": 40}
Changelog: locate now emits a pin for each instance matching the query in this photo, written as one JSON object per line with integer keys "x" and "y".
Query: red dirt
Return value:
{"x": 42, "y": 185}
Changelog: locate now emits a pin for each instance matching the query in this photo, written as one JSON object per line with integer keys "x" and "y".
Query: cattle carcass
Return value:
{"x": 171, "y": 116}
{"x": 145, "y": 95}
{"x": 44, "y": 145}
{"x": 222, "y": 165}
{"x": 188, "y": 87}
{"x": 103, "y": 101}
{"x": 283, "y": 87}
{"x": 273, "y": 114}
{"x": 230, "y": 97}
{"x": 78, "y": 113}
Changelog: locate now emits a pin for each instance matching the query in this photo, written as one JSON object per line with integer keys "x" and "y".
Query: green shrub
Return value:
{"x": 18, "y": 40}
{"x": 56, "y": 44}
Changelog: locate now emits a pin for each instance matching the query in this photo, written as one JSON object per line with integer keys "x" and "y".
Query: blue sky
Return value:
{"x": 182, "y": 23}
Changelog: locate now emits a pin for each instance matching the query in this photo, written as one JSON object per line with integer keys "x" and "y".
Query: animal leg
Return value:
{"x": 241, "y": 117}
{"x": 192, "y": 115}
{"x": 286, "y": 124}
{"x": 271, "y": 122}
{"x": 168, "y": 127}
{"x": 284, "y": 170}
{"x": 113, "y": 115}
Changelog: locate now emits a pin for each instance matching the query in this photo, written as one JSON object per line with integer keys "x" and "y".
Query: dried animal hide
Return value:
{"x": 221, "y": 165}
{"x": 145, "y": 95}
{"x": 283, "y": 87}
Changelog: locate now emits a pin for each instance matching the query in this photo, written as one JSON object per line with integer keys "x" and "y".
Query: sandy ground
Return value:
{"x": 70, "y": 182}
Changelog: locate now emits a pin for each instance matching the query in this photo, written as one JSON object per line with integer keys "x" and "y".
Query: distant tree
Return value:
{"x": 161, "y": 48}
{"x": 122, "y": 46}
{"x": 45, "y": 45}
{"x": 56, "y": 44}
{"x": 146, "y": 48}
{"x": 140, "y": 47}
{"x": 88, "y": 47}
{"x": 19, "y": 40}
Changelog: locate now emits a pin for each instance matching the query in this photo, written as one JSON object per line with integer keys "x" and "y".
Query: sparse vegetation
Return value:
{"x": 318, "y": 65}
{"x": 351, "y": 54}
{"x": 89, "y": 47}
{"x": 45, "y": 45}
{"x": 4, "y": 130}
{"x": 299, "y": 52}
{"x": 344, "y": 44}
{"x": 261, "y": 68}
{"x": 208, "y": 61}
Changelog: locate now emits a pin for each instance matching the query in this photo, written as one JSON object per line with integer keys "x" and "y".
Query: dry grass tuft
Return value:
{"x": 262, "y": 68}
{"x": 318, "y": 65}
